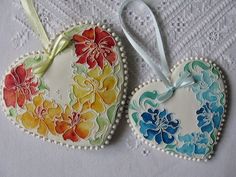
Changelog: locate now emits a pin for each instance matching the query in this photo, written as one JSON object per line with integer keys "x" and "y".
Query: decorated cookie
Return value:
{"x": 187, "y": 125}
{"x": 182, "y": 111}
{"x": 71, "y": 93}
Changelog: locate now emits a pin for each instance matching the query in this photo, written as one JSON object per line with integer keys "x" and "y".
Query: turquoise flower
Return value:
{"x": 194, "y": 143}
{"x": 206, "y": 87}
{"x": 158, "y": 126}
{"x": 209, "y": 117}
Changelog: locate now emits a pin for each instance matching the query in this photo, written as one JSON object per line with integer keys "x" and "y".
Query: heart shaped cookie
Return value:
{"x": 187, "y": 125}
{"x": 77, "y": 102}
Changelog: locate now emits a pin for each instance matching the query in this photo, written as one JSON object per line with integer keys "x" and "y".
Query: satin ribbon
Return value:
{"x": 52, "y": 49}
{"x": 162, "y": 69}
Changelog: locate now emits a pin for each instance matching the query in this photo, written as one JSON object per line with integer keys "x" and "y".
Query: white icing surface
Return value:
{"x": 58, "y": 77}
{"x": 184, "y": 105}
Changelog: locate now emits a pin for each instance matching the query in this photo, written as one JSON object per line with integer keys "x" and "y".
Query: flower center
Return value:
{"x": 75, "y": 118}
{"x": 41, "y": 112}
{"x": 93, "y": 83}
{"x": 20, "y": 86}
{"x": 93, "y": 45}
{"x": 26, "y": 91}
{"x": 209, "y": 116}
{"x": 162, "y": 123}
{"x": 203, "y": 85}
{"x": 97, "y": 49}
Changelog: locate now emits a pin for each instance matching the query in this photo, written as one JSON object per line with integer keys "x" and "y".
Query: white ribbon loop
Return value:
{"x": 162, "y": 70}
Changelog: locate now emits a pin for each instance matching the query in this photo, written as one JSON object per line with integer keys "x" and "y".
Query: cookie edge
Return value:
{"x": 120, "y": 109}
{"x": 151, "y": 144}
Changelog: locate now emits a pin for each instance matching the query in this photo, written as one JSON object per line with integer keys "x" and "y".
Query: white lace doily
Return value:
{"x": 203, "y": 28}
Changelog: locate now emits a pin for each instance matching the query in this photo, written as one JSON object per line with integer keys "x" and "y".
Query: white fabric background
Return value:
{"x": 191, "y": 28}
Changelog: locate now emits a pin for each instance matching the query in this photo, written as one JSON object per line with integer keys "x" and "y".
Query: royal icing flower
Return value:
{"x": 194, "y": 144}
{"x": 207, "y": 87}
{"x": 94, "y": 47}
{"x": 19, "y": 86}
{"x": 209, "y": 117}
{"x": 40, "y": 115}
{"x": 158, "y": 125}
{"x": 75, "y": 125}
{"x": 97, "y": 88}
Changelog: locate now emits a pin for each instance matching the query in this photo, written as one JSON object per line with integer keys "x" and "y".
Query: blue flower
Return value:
{"x": 209, "y": 116}
{"x": 207, "y": 87}
{"x": 159, "y": 126}
{"x": 194, "y": 143}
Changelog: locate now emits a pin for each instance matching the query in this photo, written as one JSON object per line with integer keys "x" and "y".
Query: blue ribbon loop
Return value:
{"x": 184, "y": 80}
{"x": 162, "y": 69}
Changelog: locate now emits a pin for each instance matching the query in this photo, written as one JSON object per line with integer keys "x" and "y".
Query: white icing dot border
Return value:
{"x": 153, "y": 145}
{"x": 123, "y": 93}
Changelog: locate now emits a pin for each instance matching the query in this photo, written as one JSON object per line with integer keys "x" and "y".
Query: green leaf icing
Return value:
{"x": 111, "y": 113}
{"x": 102, "y": 127}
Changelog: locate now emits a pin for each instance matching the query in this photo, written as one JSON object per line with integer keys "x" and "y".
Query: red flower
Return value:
{"x": 94, "y": 46}
{"x": 19, "y": 86}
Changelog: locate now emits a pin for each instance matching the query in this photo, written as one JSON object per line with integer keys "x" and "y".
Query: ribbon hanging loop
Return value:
{"x": 59, "y": 44}
{"x": 162, "y": 69}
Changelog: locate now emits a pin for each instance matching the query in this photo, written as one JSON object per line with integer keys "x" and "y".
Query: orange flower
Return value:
{"x": 75, "y": 125}
{"x": 41, "y": 114}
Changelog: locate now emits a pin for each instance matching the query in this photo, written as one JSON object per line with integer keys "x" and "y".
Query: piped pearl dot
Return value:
{"x": 106, "y": 142}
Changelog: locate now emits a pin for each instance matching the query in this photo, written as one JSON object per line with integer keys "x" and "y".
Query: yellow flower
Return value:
{"x": 41, "y": 114}
{"x": 97, "y": 89}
